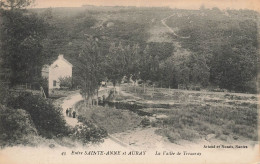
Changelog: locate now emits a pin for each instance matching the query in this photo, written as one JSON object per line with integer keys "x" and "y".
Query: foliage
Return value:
{"x": 21, "y": 36}
{"x": 48, "y": 119}
{"x": 167, "y": 72}
{"x": 145, "y": 122}
{"x": 15, "y": 4}
{"x": 4, "y": 93}
{"x": 89, "y": 132}
{"x": 225, "y": 67}
{"x": 214, "y": 54}
{"x": 65, "y": 82}
{"x": 131, "y": 62}
{"x": 15, "y": 125}
{"x": 181, "y": 67}
{"x": 115, "y": 63}
{"x": 149, "y": 65}
{"x": 89, "y": 66}
{"x": 205, "y": 120}
{"x": 199, "y": 114}
{"x": 225, "y": 41}
{"x": 200, "y": 71}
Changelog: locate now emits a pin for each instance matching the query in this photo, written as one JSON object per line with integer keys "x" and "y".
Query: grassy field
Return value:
{"x": 192, "y": 115}
{"x": 111, "y": 119}
{"x": 180, "y": 114}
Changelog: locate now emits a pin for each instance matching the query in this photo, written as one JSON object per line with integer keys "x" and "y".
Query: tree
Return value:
{"x": 89, "y": 67}
{"x": 167, "y": 71}
{"x": 5, "y": 95}
{"x": 200, "y": 71}
{"x": 145, "y": 65}
{"x": 115, "y": 63}
{"x": 21, "y": 36}
{"x": 154, "y": 70}
{"x": 15, "y": 4}
{"x": 234, "y": 68}
{"x": 131, "y": 62}
{"x": 181, "y": 67}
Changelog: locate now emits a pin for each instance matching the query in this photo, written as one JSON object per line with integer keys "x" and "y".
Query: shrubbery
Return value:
{"x": 4, "y": 93}
{"x": 16, "y": 125}
{"x": 28, "y": 116}
{"x": 65, "y": 82}
{"x": 89, "y": 132}
{"x": 47, "y": 119}
{"x": 191, "y": 121}
{"x": 145, "y": 122}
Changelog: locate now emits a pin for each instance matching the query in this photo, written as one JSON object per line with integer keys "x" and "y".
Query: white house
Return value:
{"x": 60, "y": 68}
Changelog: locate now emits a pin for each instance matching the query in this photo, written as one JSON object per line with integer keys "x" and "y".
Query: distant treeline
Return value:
{"x": 220, "y": 49}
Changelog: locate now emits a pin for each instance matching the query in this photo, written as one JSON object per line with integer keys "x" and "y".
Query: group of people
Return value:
{"x": 70, "y": 113}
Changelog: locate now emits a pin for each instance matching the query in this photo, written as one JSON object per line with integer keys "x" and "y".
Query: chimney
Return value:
{"x": 60, "y": 56}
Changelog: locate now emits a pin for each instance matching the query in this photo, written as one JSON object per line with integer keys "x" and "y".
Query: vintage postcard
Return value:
{"x": 129, "y": 81}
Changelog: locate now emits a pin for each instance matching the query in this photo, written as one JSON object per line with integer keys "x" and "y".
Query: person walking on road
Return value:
{"x": 74, "y": 114}
{"x": 70, "y": 112}
{"x": 67, "y": 112}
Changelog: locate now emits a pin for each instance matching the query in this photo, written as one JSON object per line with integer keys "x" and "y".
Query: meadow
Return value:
{"x": 193, "y": 115}
{"x": 180, "y": 115}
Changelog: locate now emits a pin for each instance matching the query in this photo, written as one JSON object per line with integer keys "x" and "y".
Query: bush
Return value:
{"x": 145, "y": 122}
{"x": 4, "y": 93}
{"x": 223, "y": 137}
{"x": 66, "y": 82}
{"x": 188, "y": 134}
{"x": 15, "y": 125}
{"x": 47, "y": 119}
{"x": 89, "y": 132}
{"x": 172, "y": 136}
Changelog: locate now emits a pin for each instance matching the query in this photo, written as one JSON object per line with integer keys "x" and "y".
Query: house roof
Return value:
{"x": 60, "y": 57}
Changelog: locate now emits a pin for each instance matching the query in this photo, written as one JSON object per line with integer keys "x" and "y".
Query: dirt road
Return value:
{"x": 69, "y": 102}
{"x": 170, "y": 29}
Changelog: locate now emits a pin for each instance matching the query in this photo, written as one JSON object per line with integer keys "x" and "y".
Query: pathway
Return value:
{"x": 170, "y": 29}
{"x": 69, "y": 102}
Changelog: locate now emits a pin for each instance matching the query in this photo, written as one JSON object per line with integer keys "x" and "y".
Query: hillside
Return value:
{"x": 223, "y": 43}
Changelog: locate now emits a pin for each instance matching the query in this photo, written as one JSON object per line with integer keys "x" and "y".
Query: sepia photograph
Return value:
{"x": 129, "y": 81}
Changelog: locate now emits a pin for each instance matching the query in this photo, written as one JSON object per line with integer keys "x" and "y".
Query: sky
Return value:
{"x": 184, "y": 4}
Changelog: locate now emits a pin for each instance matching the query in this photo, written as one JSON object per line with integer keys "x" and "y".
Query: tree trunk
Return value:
{"x": 88, "y": 99}
{"x": 97, "y": 97}
{"x": 118, "y": 89}
{"x": 91, "y": 100}
{"x": 114, "y": 84}
{"x": 85, "y": 102}
{"x": 128, "y": 86}
{"x": 135, "y": 86}
{"x": 153, "y": 91}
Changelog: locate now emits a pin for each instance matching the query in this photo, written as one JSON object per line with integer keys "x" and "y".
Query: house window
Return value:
{"x": 54, "y": 83}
